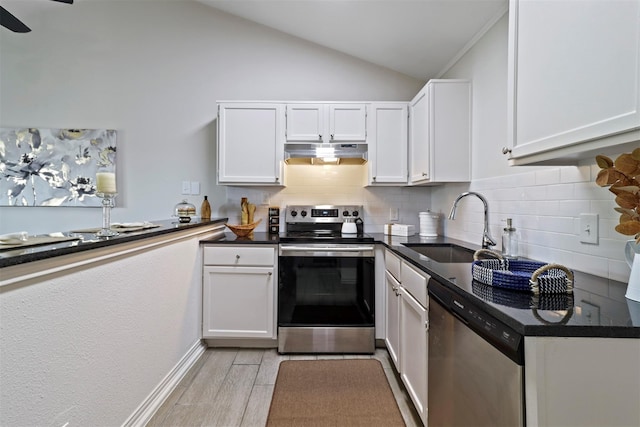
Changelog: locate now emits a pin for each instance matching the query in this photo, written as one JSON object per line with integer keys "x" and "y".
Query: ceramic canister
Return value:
{"x": 428, "y": 224}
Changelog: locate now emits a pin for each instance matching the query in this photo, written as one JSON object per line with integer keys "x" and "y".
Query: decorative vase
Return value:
{"x": 632, "y": 255}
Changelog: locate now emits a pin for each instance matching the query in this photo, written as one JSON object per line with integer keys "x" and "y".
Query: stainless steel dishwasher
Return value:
{"x": 476, "y": 365}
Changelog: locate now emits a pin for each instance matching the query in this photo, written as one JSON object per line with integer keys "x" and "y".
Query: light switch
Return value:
{"x": 195, "y": 188}
{"x": 186, "y": 187}
{"x": 394, "y": 214}
{"x": 589, "y": 228}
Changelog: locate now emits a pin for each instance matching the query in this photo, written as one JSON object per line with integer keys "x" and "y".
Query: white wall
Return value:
{"x": 153, "y": 70}
{"x": 87, "y": 342}
{"x": 544, "y": 202}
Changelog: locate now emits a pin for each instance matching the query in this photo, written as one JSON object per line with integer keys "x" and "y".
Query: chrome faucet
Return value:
{"x": 486, "y": 239}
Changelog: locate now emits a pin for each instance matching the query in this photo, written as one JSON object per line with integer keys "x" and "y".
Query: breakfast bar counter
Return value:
{"x": 78, "y": 241}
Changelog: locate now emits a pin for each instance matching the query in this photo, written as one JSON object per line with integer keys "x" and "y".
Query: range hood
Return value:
{"x": 325, "y": 154}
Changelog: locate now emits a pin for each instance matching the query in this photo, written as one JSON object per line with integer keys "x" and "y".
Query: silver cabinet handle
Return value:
{"x": 320, "y": 137}
{"x": 424, "y": 174}
{"x": 277, "y": 179}
{"x": 374, "y": 178}
{"x": 270, "y": 273}
{"x": 506, "y": 150}
{"x": 332, "y": 137}
{"x": 237, "y": 256}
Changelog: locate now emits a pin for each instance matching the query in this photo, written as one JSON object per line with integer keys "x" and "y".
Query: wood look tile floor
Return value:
{"x": 233, "y": 387}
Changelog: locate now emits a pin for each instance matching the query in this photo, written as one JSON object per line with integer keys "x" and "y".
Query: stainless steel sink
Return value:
{"x": 442, "y": 252}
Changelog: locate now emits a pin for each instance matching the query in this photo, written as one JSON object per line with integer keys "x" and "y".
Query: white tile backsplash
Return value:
{"x": 545, "y": 206}
{"x": 343, "y": 184}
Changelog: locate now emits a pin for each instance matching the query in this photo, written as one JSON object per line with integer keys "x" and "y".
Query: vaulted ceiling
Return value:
{"x": 419, "y": 38}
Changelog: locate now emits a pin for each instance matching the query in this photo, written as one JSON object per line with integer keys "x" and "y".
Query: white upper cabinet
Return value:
{"x": 440, "y": 133}
{"x": 574, "y": 79}
{"x": 325, "y": 123}
{"x": 387, "y": 143}
{"x": 250, "y": 143}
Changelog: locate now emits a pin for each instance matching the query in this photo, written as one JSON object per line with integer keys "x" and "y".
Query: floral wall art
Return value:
{"x": 53, "y": 167}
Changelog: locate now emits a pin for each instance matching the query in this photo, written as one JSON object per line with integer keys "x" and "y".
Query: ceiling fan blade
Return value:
{"x": 9, "y": 21}
{"x": 65, "y": 1}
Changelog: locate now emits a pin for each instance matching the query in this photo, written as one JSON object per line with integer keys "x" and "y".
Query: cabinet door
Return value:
{"x": 388, "y": 143}
{"x": 347, "y": 122}
{"x": 250, "y": 143}
{"x": 306, "y": 122}
{"x": 450, "y": 130}
{"x": 419, "y": 137}
{"x": 392, "y": 318}
{"x": 325, "y": 123}
{"x": 574, "y": 79}
{"x": 413, "y": 351}
{"x": 238, "y": 302}
{"x": 440, "y": 133}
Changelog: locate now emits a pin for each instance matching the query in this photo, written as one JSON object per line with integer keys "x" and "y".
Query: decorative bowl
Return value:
{"x": 245, "y": 229}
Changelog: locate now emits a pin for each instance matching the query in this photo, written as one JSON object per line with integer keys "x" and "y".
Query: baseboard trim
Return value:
{"x": 241, "y": 342}
{"x": 142, "y": 415}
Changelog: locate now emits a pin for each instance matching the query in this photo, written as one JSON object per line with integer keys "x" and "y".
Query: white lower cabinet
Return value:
{"x": 239, "y": 292}
{"x": 392, "y": 318}
{"x": 407, "y": 327}
{"x": 413, "y": 350}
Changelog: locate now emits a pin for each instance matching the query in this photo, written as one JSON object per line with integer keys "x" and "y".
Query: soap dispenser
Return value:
{"x": 510, "y": 240}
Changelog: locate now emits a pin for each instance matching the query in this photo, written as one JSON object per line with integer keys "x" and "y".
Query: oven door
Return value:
{"x": 326, "y": 285}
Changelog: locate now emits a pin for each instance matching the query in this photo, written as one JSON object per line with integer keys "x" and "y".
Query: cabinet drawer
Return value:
{"x": 415, "y": 283}
{"x": 239, "y": 255}
{"x": 392, "y": 264}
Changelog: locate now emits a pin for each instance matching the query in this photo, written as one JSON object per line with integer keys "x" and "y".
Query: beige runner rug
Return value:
{"x": 345, "y": 392}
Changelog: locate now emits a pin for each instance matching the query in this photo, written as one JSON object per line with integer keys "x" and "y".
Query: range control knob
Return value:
{"x": 355, "y": 213}
{"x": 303, "y": 213}
{"x": 345, "y": 213}
{"x": 294, "y": 213}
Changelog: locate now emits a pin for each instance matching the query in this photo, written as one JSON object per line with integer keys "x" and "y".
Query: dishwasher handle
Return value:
{"x": 459, "y": 317}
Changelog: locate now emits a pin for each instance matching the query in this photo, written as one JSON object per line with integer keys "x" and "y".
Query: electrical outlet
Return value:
{"x": 186, "y": 188}
{"x": 589, "y": 228}
{"x": 394, "y": 214}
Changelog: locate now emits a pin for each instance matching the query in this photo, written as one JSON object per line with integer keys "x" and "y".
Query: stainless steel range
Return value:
{"x": 326, "y": 282}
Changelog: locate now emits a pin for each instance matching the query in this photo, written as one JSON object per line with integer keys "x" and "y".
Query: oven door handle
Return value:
{"x": 326, "y": 248}
{"x": 336, "y": 251}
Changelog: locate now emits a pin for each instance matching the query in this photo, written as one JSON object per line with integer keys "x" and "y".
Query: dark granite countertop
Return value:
{"x": 598, "y": 307}
{"x": 88, "y": 241}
